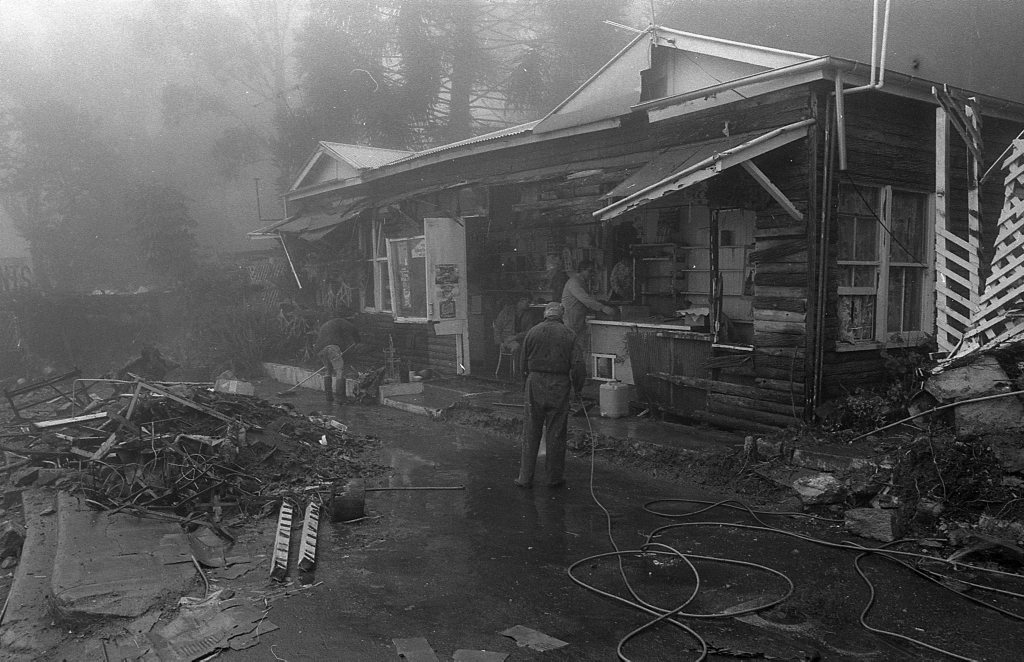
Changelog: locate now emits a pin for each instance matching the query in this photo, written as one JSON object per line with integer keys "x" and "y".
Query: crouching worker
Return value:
{"x": 554, "y": 368}
{"x": 335, "y": 337}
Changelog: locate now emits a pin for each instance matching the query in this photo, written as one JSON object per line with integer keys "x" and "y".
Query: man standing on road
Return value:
{"x": 553, "y": 367}
{"x": 335, "y": 337}
{"x": 577, "y": 300}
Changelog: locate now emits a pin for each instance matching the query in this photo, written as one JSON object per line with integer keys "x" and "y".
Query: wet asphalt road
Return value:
{"x": 458, "y": 567}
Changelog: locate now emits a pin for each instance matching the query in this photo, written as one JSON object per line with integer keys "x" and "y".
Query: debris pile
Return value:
{"x": 187, "y": 452}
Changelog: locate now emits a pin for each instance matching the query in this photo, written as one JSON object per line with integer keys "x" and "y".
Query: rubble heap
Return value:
{"x": 188, "y": 452}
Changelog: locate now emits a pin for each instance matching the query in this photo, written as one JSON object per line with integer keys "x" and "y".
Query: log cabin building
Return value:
{"x": 770, "y": 225}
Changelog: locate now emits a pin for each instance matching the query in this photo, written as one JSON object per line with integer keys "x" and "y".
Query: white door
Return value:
{"x": 447, "y": 292}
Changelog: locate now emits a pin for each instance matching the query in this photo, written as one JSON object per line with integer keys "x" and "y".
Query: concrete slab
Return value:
{"x": 115, "y": 565}
{"x": 26, "y": 630}
{"x": 293, "y": 374}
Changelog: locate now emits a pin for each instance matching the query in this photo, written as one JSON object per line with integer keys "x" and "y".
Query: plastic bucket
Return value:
{"x": 613, "y": 398}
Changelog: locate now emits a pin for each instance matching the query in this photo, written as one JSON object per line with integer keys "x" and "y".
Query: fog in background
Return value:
{"x": 172, "y": 106}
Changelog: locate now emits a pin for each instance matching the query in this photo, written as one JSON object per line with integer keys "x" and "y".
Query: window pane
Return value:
{"x": 866, "y": 247}
{"x": 905, "y": 285}
{"x": 857, "y": 275}
{"x": 856, "y": 318}
{"x": 908, "y": 227}
{"x": 864, "y": 276}
{"x": 385, "y": 284}
{"x": 858, "y": 224}
{"x": 859, "y": 201}
{"x": 369, "y": 299}
{"x": 409, "y": 273}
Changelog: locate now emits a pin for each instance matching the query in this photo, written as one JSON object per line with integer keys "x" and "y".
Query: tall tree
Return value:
{"x": 565, "y": 43}
{"x": 232, "y": 68}
{"x": 60, "y": 183}
{"x": 164, "y": 229}
{"x": 408, "y": 73}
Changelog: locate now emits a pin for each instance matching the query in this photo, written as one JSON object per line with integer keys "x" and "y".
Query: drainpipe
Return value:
{"x": 877, "y": 77}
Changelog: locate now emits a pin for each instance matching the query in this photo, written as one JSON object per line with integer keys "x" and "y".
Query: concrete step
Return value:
{"x": 115, "y": 564}
{"x": 27, "y": 628}
{"x": 79, "y": 565}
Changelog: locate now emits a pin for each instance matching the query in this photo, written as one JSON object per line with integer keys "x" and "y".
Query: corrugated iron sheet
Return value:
{"x": 650, "y": 353}
{"x": 361, "y": 156}
{"x": 672, "y": 160}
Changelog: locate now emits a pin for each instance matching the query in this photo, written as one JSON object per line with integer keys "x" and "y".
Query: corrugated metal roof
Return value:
{"x": 487, "y": 137}
{"x": 362, "y": 156}
{"x": 672, "y": 160}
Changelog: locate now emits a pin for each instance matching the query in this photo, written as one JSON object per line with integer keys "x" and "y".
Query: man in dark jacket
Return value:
{"x": 335, "y": 337}
{"x": 553, "y": 368}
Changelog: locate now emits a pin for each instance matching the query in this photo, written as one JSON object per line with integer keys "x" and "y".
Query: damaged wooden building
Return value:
{"x": 770, "y": 225}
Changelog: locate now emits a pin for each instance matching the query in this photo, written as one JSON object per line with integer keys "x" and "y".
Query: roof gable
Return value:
{"x": 340, "y": 161}
{"x": 658, "y": 63}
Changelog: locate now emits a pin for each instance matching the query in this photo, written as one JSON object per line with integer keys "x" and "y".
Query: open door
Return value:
{"x": 447, "y": 291}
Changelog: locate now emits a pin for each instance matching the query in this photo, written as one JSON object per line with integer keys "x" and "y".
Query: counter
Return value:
{"x": 609, "y": 352}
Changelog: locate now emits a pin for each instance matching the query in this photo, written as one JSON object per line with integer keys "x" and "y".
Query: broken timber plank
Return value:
{"x": 105, "y": 447}
{"x": 188, "y": 403}
{"x": 282, "y": 542}
{"x": 61, "y": 422}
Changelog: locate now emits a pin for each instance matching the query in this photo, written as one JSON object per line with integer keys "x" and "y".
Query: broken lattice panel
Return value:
{"x": 998, "y": 319}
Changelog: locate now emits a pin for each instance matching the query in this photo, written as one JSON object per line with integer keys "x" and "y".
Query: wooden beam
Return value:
{"x": 61, "y": 422}
{"x": 772, "y": 189}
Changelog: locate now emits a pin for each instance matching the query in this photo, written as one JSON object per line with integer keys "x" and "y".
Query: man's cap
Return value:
{"x": 553, "y": 310}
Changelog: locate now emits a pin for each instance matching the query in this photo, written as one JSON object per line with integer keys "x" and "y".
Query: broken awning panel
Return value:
{"x": 310, "y": 226}
{"x": 683, "y": 166}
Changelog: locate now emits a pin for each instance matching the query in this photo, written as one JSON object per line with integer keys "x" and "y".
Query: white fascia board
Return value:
{"x": 725, "y": 48}
{"x": 320, "y": 189}
{"x": 731, "y": 96}
{"x": 476, "y": 149}
{"x": 309, "y": 166}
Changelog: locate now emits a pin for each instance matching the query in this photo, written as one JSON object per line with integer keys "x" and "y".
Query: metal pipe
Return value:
{"x": 877, "y": 78}
{"x": 880, "y": 80}
{"x": 939, "y": 408}
{"x": 840, "y": 120}
{"x": 874, "y": 41}
{"x": 289, "y": 257}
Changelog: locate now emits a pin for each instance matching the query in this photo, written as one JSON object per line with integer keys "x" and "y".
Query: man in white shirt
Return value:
{"x": 576, "y": 299}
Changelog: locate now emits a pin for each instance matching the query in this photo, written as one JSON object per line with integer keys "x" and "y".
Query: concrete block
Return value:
{"x": 389, "y": 390}
{"x": 113, "y": 564}
{"x": 880, "y": 524}
{"x": 1011, "y": 457}
{"x": 981, "y": 377}
{"x": 814, "y": 488}
{"x": 236, "y": 386}
{"x": 818, "y": 488}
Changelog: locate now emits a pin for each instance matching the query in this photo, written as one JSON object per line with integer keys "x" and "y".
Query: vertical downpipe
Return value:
{"x": 823, "y": 260}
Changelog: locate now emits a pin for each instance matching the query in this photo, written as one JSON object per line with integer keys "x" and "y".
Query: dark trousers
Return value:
{"x": 334, "y": 371}
{"x": 547, "y": 407}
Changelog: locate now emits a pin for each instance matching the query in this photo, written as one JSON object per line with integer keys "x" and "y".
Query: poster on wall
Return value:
{"x": 446, "y": 289}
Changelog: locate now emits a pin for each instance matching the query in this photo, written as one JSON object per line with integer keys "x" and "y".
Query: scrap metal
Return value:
{"x": 282, "y": 541}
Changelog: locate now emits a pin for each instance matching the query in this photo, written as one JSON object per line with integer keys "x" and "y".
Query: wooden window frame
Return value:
{"x": 377, "y": 258}
{"x": 882, "y": 337}
{"x": 393, "y": 284}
